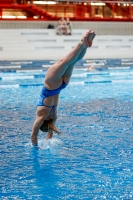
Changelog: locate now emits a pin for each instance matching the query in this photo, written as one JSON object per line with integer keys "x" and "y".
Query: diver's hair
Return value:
{"x": 48, "y": 125}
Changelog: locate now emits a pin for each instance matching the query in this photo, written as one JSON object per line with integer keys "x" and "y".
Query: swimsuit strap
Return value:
{"x": 50, "y": 106}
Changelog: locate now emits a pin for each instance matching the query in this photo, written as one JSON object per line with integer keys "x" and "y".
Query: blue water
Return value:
{"x": 93, "y": 156}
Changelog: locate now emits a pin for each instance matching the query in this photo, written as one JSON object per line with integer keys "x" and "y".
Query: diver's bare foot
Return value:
{"x": 91, "y": 37}
{"x": 88, "y": 38}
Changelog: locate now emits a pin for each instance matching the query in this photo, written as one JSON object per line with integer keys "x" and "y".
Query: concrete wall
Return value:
{"x": 41, "y": 44}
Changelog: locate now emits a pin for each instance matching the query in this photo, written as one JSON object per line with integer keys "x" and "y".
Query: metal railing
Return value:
{"x": 75, "y": 10}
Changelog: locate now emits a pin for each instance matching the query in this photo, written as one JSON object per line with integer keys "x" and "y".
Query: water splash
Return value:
{"x": 48, "y": 144}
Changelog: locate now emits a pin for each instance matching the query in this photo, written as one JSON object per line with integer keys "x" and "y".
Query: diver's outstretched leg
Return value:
{"x": 55, "y": 73}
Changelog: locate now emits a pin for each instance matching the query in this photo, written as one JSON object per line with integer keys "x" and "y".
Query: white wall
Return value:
{"x": 41, "y": 44}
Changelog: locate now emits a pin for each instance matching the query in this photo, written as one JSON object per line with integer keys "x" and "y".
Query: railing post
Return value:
{"x": 0, "y": 13}
{"x": 130, "y": 11}
{"x": 56, "y": 7}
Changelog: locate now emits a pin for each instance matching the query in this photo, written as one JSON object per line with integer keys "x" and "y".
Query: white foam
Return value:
{"x": 47, "y": 144}
{"x": 44, "y": 144}
{"x": 55, "y": 141}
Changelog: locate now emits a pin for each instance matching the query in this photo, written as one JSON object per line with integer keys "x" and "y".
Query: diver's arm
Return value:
{"x": 49, "y": 135}
{"x": 42, "y": 114}
{"x": 35, "y": 129}
{"x": 50, "y": 132}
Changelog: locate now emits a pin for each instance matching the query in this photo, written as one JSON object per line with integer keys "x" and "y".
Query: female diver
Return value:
{"x": 56, "y": 79}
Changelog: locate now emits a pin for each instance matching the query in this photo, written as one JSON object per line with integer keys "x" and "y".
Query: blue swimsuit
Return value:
{"x": 47, "y": 93}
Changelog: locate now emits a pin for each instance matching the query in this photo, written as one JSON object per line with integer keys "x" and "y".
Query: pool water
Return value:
{"x": 93, "y": 156}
